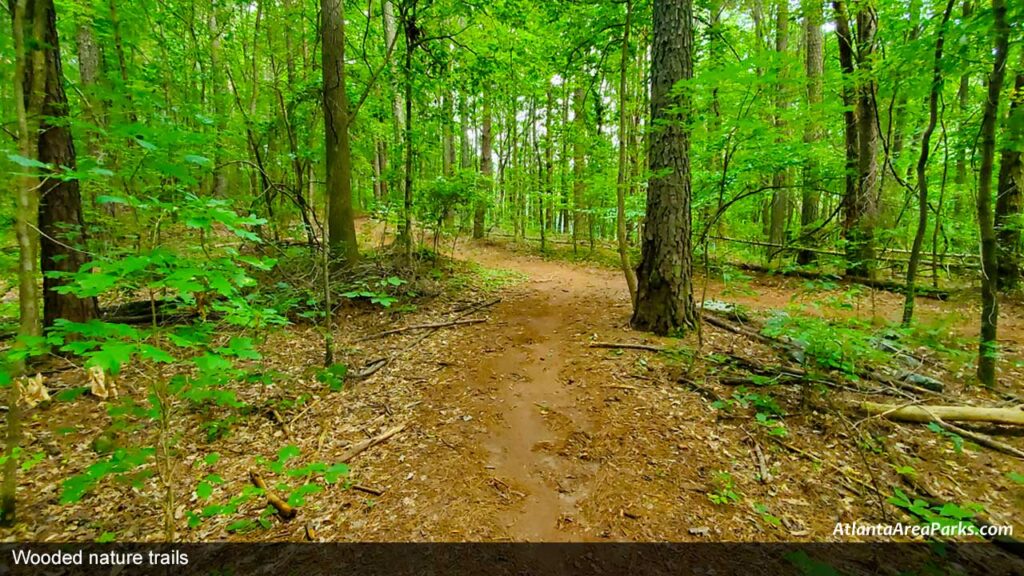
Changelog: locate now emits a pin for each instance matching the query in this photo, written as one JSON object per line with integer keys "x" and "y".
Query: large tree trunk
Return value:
{"x": 1008, "y": 193}
{"x": 341, "y": 229}
{"x": 664, "y": 302}
{"x": 622, "y": 181}
{"x": 814, "y": 65}
{"x": 988, "y": 347}
{"x": 60, "y": 210}
{"x": 846, "y": 59}
{"x": 922, "y": 166}
{"x": 862, "y": 232}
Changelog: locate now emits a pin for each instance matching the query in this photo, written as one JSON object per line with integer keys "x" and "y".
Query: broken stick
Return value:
{"x": 284, "y": 510}
{"x": 627, "y": 346}
{"x": 422, "y": 327}
{"x": 365, "y": 445}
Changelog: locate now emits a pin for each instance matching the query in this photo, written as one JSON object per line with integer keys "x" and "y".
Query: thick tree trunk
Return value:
{"x": 814, "y": 68}
{"x": 988, "y": 347}
{"x": 622, "y": 181}
{"x": 1009, "y": 201}
{"x": 664, "y": 303}
{"x": 922, "y": 166}
{"x": 60, "y": 210}
{"x": 341, "y": 229}
{"x": 862, "y": 231}
{"x": 851, "y": 208}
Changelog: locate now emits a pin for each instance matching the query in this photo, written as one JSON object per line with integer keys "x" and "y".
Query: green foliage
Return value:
{"x": 378, "y": 291}
{"x": 333, "y": 376}
{"x": 123, "y": 464}
{"x": 956, "y": 439}
{"x": 723, "y": 489}
{"x": 949, "y": 514}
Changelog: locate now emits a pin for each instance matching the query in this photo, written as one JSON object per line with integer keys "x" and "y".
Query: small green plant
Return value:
{"x": 766, "y": 516}
{"x": 376, "y": 291}
{"x": 946, "y": 515}
{"x": 333, "y": 376}
{"x": 723, "y": 489}
{"x": 1016, "y": 477}
{"x": 956, "y": 439}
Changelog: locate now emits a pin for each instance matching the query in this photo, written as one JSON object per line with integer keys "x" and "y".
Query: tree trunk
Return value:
{"x": 1008, "y": 192}
{"x": 780, "y": 196}
{"x": 862, "y": 231}
{"x": 846, "y": 63}
{"x": 988, "y": 347}
{"x": 922, "y": 166}
{"x": 341, "y": 229}
{"x": 622, "y": 181}
{"x": 60, "y": 210}
{"x": 814, "y": 68}
{"x": 579, "y": 186}
{"x": 664, "y": 303}
{"x": 28, "y": 102}
{"x": 486, "y": 170}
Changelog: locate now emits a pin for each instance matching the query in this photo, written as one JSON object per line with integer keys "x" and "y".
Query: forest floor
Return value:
{"x": 516, "y": 428}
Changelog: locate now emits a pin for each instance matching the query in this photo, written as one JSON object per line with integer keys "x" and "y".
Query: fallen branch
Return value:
{"x": 983, "y": 440}
{"x": 368, "y": 489}
{"x": 627, "y": 346}
{"x": 434, "y": 325}
{"x": 284, "y": 510}
{"x": 365, "y": 445}
{"x": 1011, "y": 416}
{"x": 463, "y": 312}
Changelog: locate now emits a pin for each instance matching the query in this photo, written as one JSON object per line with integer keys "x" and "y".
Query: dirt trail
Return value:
{"x": 530, "y": 364}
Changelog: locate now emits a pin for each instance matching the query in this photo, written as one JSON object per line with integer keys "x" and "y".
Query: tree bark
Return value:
{"x": 922, "y": 166}
{"x": 850, "y": 206}
{"x": 341, "y": 229}
{"x": 622, "y": 181}
{"x": 579, "y": 186}
{"x": 1008, "y": 192}
{"x": 664, "y": 302}
{"x": 61, "y": 226}
{"x": 486, "y": 170}
{"x": 780, "y": 196}
{"x": 862, "y": 230}
{"x": 814, "y": 68}
{"x": 987, "y": 348}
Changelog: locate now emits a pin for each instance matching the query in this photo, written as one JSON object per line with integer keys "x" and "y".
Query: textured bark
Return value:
{"x": 922, "y": 166}
{"x": 1008, "y": 192}
{"x": 862, "y": 230}
{"x": 814, "y": 65}
{"x": 622, "y": 181}
{"x": 60, "y": 208}
{"x": 579, "y": 186}
{"x": 987, "y": 348}
{"x": 341, "y": 229}
{"x": 664, "y": 302}
{"x": 846, "y": 63}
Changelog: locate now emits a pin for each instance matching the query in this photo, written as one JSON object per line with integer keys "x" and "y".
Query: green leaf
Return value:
{"x": 198, "y": 160}
{"x": 204, "y": 490}
{"x": 26, "y": 162}
{"x": 1016, "y": 477}
{"x": 211, "y": 458}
